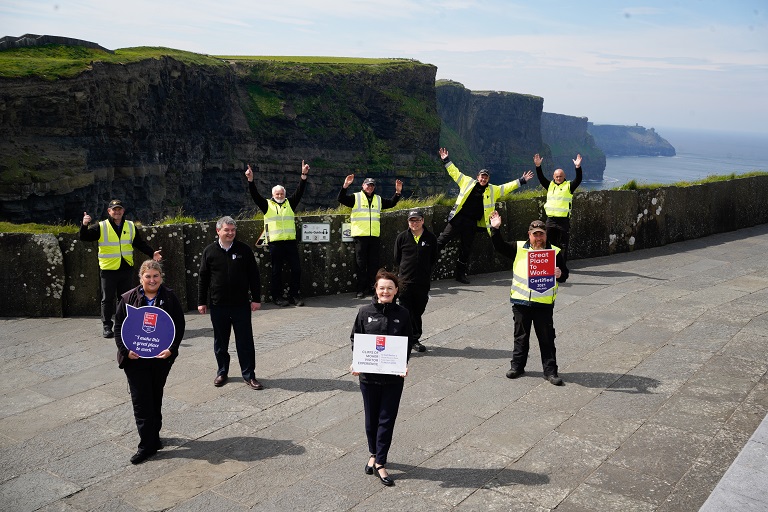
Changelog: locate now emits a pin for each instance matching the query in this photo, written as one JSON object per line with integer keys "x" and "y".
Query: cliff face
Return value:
{"x": 500, "y": 131}
{"x": 168, "y": 137}
{"x": 566, "y": 137}
{"x": 616, "y": 140}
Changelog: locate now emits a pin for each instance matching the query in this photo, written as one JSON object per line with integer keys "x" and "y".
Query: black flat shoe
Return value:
{"x": 386, "y": 480}
{"x": 369, "y": 469}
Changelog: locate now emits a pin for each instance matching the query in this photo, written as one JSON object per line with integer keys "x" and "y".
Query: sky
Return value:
{"x": 688, "y": 64}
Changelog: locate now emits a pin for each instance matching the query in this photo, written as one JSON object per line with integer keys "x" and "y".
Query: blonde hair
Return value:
{"x": 151, "y": 264}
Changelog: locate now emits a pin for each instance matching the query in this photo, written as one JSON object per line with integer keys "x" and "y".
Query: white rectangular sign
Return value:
{"x": 379, "y": 353}
{"x": 316, "y": 232}
{"x": 346, "y": 232}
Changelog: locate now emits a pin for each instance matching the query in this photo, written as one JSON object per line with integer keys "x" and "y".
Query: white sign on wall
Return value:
{"x": 346, "y": 232}
{"x": 316, "y": 232}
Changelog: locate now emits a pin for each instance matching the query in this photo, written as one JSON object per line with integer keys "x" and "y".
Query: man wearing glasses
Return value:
{"x": 366, "y": 227}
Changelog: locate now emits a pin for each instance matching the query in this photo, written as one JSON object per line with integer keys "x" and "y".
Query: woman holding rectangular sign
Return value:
{"x": 381, "y": 392}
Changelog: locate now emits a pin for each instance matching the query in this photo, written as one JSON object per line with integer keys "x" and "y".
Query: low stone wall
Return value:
{"x": 47, "y": 275}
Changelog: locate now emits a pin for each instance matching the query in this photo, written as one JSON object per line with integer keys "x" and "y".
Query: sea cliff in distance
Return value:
{"x": 617, "y": 140}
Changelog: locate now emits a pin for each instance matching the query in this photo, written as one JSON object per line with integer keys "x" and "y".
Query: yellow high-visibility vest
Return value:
{"x": 280, "y": 221}
{"x": 113, "y": 247}
{"x": 559, "y": 199}
{"x": 520, "y": 292}
{"x": 365, "y": 217}
{"x": 492, "y": 195}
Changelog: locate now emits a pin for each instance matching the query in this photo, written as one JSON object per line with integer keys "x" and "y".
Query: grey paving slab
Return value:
{"x": 664, "y": 354}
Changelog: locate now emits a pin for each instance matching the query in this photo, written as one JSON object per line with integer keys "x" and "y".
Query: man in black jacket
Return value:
{"x": 228, "y": 272}
{"x": 416, "y": 253}
{"x": 117, "y": 239}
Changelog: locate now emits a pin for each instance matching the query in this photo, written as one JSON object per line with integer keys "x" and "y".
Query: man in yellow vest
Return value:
{"x": 559, "y": 205}
{"x": 280, "y": 230}
{"x": 531, "y": 305}
{"x": 117, "y": 238}
{"x": 477, "y": 199}
{"x": 366, "y": 227}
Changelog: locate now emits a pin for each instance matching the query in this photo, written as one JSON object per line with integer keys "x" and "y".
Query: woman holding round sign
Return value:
{"x": 149, "y": 326}
{"x": 390, "y": 325}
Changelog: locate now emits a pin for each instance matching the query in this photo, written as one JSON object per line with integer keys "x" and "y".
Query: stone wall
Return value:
{"x": 47, "y": 275}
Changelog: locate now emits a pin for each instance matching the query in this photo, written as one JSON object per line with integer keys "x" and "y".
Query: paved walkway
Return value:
{"x": 664, "y": 353}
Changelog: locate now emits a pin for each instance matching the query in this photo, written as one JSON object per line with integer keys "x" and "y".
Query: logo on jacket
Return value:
{"x": 150, "y": 322}
{"x": 381, "y": 343}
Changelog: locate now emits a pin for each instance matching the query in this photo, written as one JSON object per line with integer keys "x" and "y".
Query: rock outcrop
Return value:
{"x": 617, "y": 140}
{"x": 500, "y": 131}
{"x": 566, "y": 137}
{"x": 169, "y": 137}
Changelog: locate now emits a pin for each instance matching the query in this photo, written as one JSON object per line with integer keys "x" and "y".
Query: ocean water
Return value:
{"x": 699, "y": 154}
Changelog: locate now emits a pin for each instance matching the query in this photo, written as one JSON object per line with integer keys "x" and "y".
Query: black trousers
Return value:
{"x": 465, "y": 229}
{"x": 114, "y": 283}
{"x": 558, "y": 234}
{"x": 414, "y": 298}
{"x": 146, "y": 380}
{"x": 545, "y": 332}
{"x": 367, "y": 249}
{"x": 282, "y": 252}
{"x": 381, "y": 403}
{"x": 225, "y": 319}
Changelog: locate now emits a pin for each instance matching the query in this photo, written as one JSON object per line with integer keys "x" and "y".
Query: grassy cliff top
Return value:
{"x": 54, "y": 61}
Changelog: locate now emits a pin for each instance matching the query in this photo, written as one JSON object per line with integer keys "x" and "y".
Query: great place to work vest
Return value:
{"x": 492, "y": 195}
{"x": 559, "y": 199}
{"x": 365, "y": 217}
{"x": 520, "y": 293}
{"x": 113, "y": 247}
{"x": 279, "y": 221}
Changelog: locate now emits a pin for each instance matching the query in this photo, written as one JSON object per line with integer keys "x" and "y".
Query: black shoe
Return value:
{"x": 159, "y": 445}
{"x": 142, "y": 455}
{"x": 418, "y": 347}
{"x": 386, "y": 480}
{"x": 108, "y": 332}
{"x": 462, "y": 279}
{"x": 561, "y": 279}
{"x": 369, "y": 469}
{"x": 554, "y": 379}
{"x": 514, "y": 373}
{"x": 296, "y": 301}
{"x": 280, "y": 302}
{"x": 359, "y": 295}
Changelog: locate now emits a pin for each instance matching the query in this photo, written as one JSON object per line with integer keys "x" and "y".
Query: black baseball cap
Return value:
{"x": 115, "y": 203}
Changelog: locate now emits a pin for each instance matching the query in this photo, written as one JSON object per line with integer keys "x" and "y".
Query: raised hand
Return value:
{"x": 249, "y": 173}
{"x": 348, "y": 180}
{"x": 86, "y": 219}
{"x": 577, "y": 161}
{"x": 528, "y": 175}
{"x": 443, "y": 152}
{"x": 537, "y": 160}
{"x": 398, "y": 186}
{"x": 495, "y": 219}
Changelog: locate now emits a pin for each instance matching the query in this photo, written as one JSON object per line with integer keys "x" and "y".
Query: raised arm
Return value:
{"x": 537, "y": 160}
{"x": 575, "y": 183}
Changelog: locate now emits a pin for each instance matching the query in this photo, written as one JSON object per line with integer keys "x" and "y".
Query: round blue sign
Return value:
{"x": 147, "y": 330}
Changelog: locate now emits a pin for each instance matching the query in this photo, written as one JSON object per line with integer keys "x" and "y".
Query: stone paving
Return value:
{"x": 664, "y": 353}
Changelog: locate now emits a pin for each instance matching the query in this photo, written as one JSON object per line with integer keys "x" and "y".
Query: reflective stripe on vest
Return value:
{"x": 559, "y": 199}
{"x": 280, "y": 221}
{"x": 519, "y": 292}
{"x": 366, "y": 218}
{"x": 114, "y": 248}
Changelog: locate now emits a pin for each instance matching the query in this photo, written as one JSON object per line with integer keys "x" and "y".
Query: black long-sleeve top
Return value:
{"x": 415, "y": 260}
{"x": 349, "y": 200}
{"x": 377, "y": 318}
{"x": 262, "y": 202}
{"x": 545, "y": 182}
{"x": 226, "y": 277}
{"x": 509, "y": 249}
{"x": 92, "y": 233}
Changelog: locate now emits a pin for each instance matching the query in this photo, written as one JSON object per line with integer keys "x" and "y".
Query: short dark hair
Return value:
{"x": 386, "y": 274}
